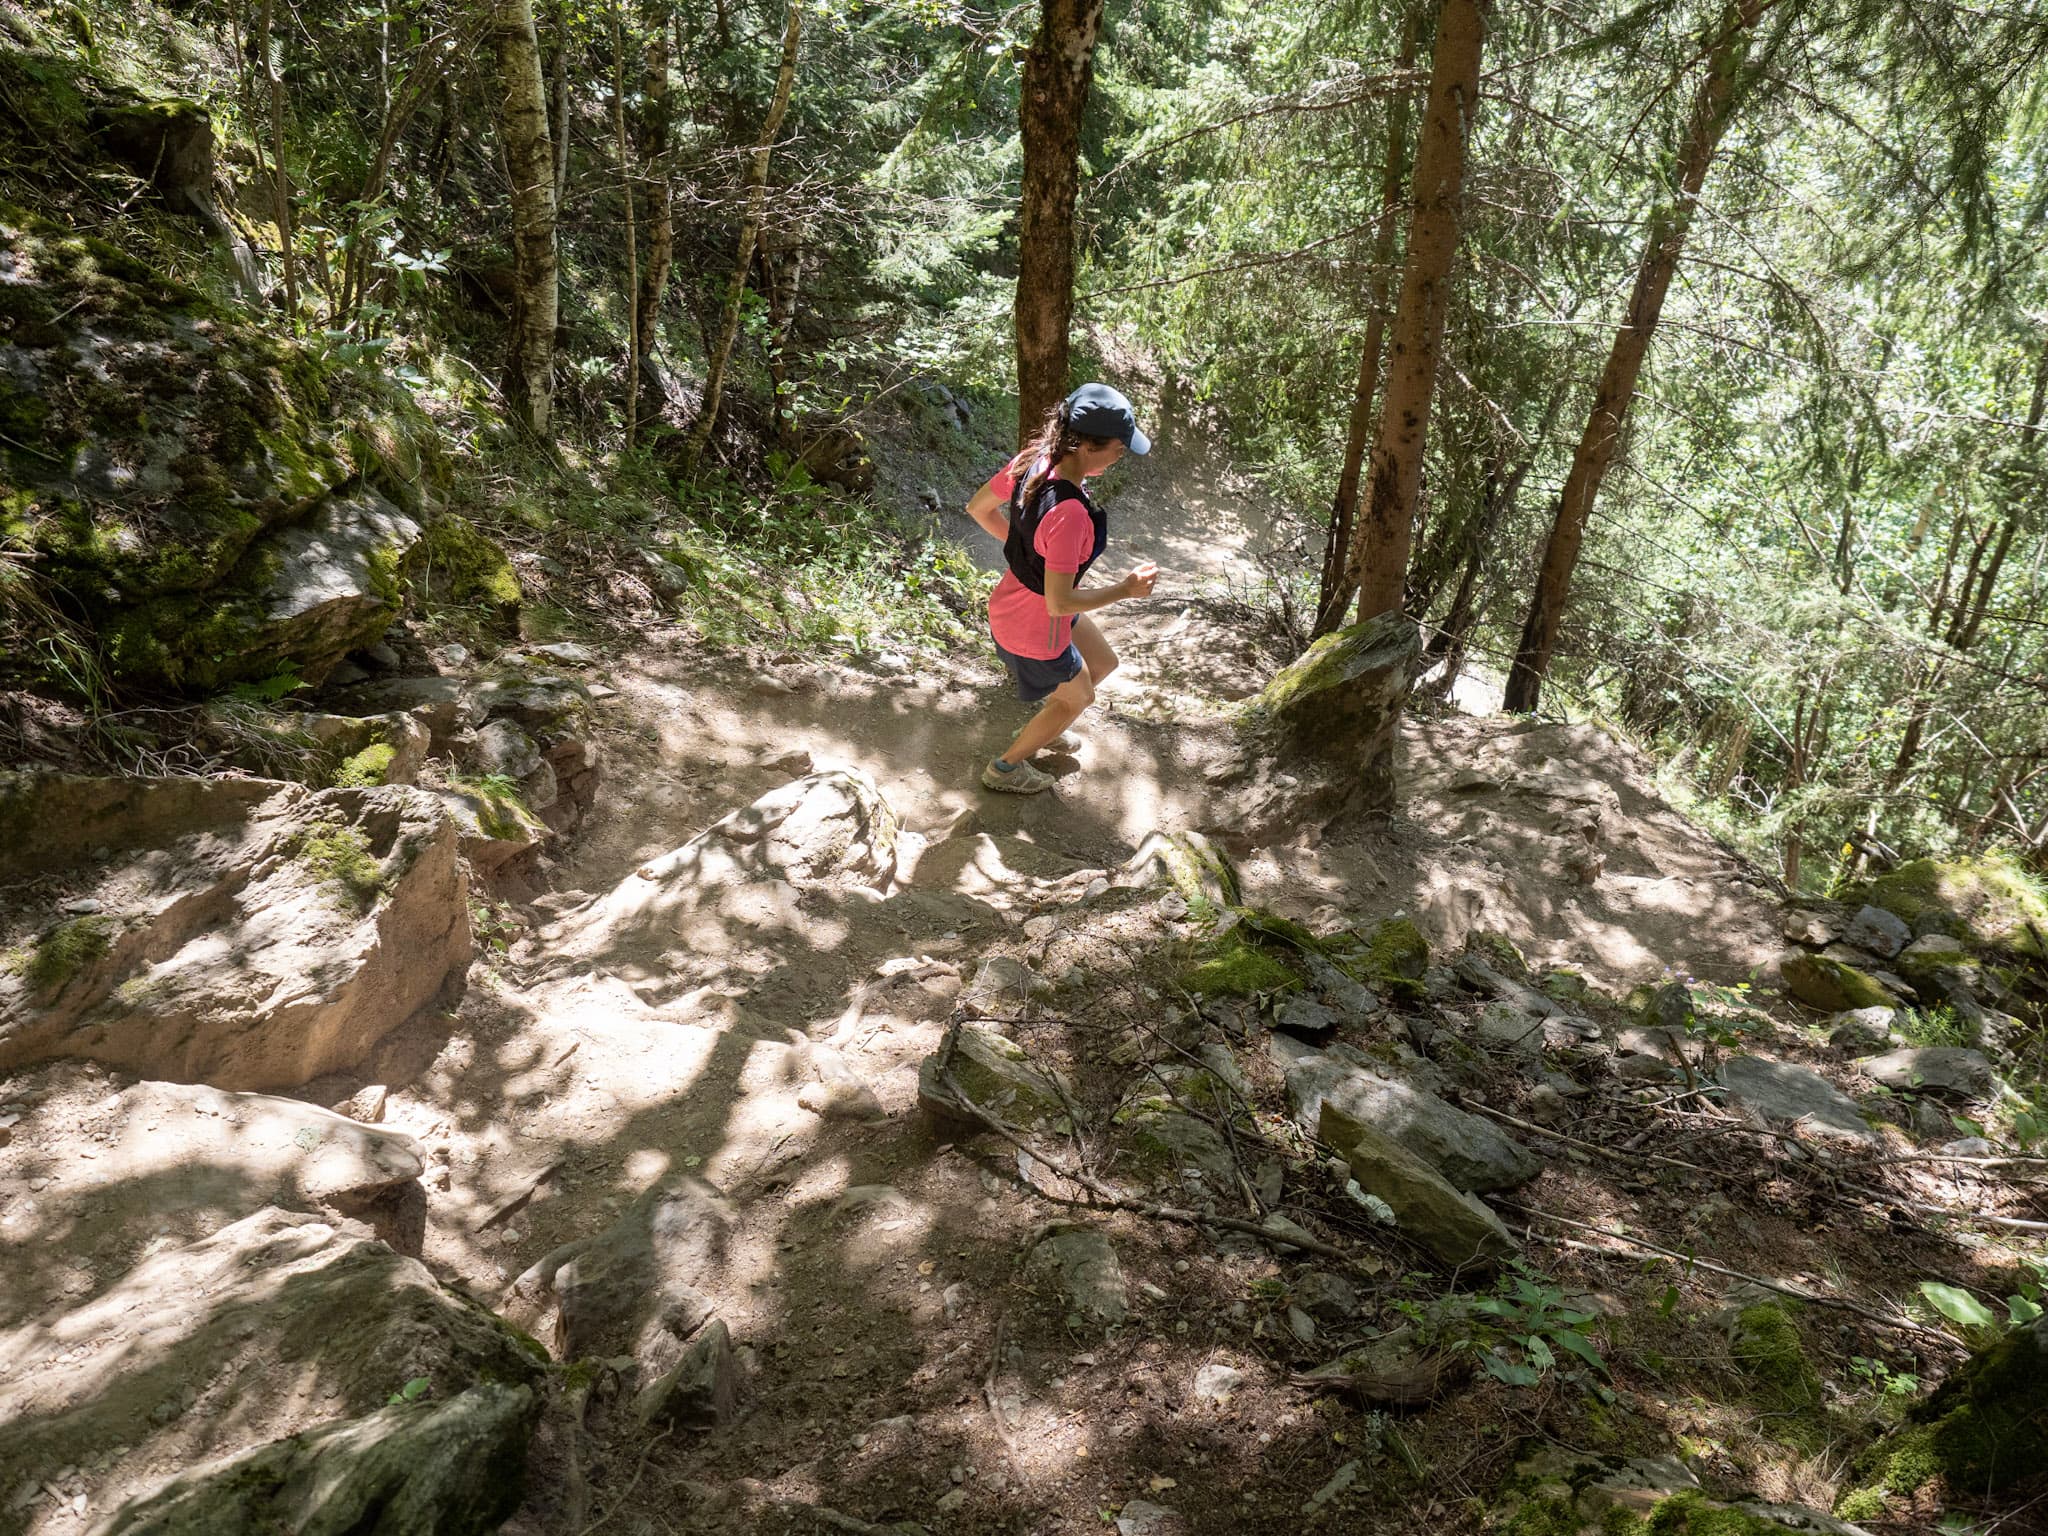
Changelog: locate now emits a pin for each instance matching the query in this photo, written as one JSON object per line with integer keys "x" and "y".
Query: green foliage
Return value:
{"x": 1528, "y": 1327}
{"x": 411, "y": 1392}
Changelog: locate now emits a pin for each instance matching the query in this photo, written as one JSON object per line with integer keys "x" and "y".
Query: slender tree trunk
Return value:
{"x": 655, "y": 188}
{"x": 1337, "y": 584}
{"x": 1380, "y": 546}
{"x": 750, "y": 229}
{"x": 558, "y": 101}
{"x": 1057, "y": 71}
{"x": 781, "y": 275}
{"x": 627, "y": 197}
{"x": 280, "y": 185}
{"x": 1712, "y": 107}
{"x": 530, "y": 168}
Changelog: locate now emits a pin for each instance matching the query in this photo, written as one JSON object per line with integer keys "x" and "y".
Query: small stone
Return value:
{"x": 1040, "y": 928}
{"x": 1301, "y": 1325}
{"x": 1214, "y": 1383}
{"x": 1140, "y": 1517}
{"x": 1329, "y": 1297}
{"x": 567, "y": 652}
{"x": 1095, "y": 888}
{"x": 366, "y": 1105}
{"x": 951, "y": 1501}
{"x": 1878, "y": 931}
{"x": 1172, "y": 906}
{"x": 796, "y": 762}
{"x": 448, "y": 657}
{"x": 1545, "y": 1105}
{"x": 954, "y": 1299}
{"x": 82, "y": 906}
{"x": 1969, "y": 1146}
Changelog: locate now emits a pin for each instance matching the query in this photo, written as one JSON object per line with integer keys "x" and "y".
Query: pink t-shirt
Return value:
{"x": 1017, "y": 616}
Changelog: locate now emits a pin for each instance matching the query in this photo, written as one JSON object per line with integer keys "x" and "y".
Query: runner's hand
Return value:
{"x": 1139, "y": 582}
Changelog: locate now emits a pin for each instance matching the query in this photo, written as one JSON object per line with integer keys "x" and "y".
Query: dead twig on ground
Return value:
{"x": 1110, "y": 1199}
{"x": 989, "y": 1392}
{"x": 1798, "y": 1293}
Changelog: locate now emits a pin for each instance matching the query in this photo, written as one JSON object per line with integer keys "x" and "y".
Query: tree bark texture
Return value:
{"x": 1712, "y": 106}
{"x": 1057, "y": 71}
{"x": 1380, "y": 546}
{"x": 558, "y": 101}
{"x": 750, "y": 230}
{"x": 655, "y": 189}
{"x": 1338, "y": 583}
{"x": 530, "y": 163}
{"x": 629, "y": 197}
{"x": 281, "y": 186}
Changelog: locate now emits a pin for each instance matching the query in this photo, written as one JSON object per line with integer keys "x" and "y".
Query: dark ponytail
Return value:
{"x": 1055, "y": 440}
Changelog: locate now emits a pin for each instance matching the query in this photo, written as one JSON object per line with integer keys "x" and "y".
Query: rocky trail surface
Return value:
{"x": 814, "y": 1142}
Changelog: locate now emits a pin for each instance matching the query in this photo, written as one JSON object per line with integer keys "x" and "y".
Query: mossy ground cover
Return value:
{"x": 1988, "y": 899}
{"x": 340, "y": 857}
{"x": 66, "y": 949}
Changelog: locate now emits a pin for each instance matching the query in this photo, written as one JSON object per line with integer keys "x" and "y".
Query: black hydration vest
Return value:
{"x": 1020, "y": 549}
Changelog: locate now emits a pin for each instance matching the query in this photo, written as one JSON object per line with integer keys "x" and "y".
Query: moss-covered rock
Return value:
{"x": 1395, "y": 959}
{"x": 1238, "y": 965}
{"x": 462, "y": 564}
{"x": 1767, "y": 1349}
{"x": 1341, "y": 701}
{"x": 1983, "y": 1429}
{"x": 67, "y": 949}
{"x": 1987, "y": 898}
{"x": 1833, "y": 986}
{"x": 995, "y": 1074}
{"x": 197, "y": 492}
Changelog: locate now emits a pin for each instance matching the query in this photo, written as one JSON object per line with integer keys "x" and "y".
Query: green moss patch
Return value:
{"x": 366, "y": 769}
{"x": 340, "y": 856}
{"x": 1394, "y": 960}
{"x": 67, "y": 949}
{"x": 463, "y": 565}
{"x": 1768, "y": 1350}
{"x": 1238, "y": 966}
{"x": 1988, "y": 899}
{"x": 1984, "y": 1429}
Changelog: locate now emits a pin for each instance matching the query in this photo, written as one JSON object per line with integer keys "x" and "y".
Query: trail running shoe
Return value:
{"x": 1020, "y": 780}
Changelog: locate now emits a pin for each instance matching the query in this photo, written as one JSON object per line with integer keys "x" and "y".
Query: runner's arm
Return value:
{"x": 986, "y": 508}
{"x": 1061, "y": 598}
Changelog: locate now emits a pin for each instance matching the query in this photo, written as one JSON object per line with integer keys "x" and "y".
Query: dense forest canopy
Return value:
{"x": 1732, "y": 432}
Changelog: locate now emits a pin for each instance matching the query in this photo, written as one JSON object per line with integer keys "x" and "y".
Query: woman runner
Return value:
{"x": 1051, "y": 534}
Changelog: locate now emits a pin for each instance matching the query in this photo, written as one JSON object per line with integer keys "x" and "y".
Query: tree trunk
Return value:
{"x": 1712, "y": 107}
{"x": 782, "y": 270}
{"x": 1054, "y": 93}
{"x": 656, "y": 189}
{"x": 1337, "y": 584}
{"x": 558, "y": 101}
{"x": 750, "y": 229}
{"x": 1379, "y": 548}
{"x": 530, "y": 166}
{"x": 628, "y": 196}
{"x": 280, "y": 186}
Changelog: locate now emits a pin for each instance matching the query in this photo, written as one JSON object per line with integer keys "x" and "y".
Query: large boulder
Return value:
{"x": 1783, "y": 1093}
{"x": 636, "y": 1287}
{"x": 273, "y": 1326}
{"x": 1986, "y": 899}
{"x": 189, "y": 1159}
{"x": 215, "y": 503}
{"x": 1454, "y": 1228}
{"x": 1336, "y": 710}
{"x": 659, "y": 926}
{"x": 453, "y": 1468}
{"x": 1832, "y": 985}
{"x": 1475, "y": 1155}
{"x": 239, "y": 932}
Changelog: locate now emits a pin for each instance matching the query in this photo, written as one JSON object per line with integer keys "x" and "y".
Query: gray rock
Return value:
{"x": 1933, "y": 949}
{"x": 1878, "y": 931}
{"x": 200, "y": 970}
{"x": 994, "y": 1073}
{"x": 568, "y": 652}
{"x": 268, "y": 1304}
{"x": 632, "y": 1289}
{"x": 1781, "y": 1094}
{"x": 1215, "y": 1382}
{"x": 700, "y": 1390}
{"x": 1288, "y": 1235}
{"x": 1172, "y": 1140}
{"x": 1942, "y": 1069}
{"x": 1141, "y": 1517}
{"x": 1003, "y": 979}
{"x": 1474, "y": 1154}
{"x": 1081, "y": 1261}
{"x": 1969, "y": 1146}
{"x": 503, "y": 749}
{"x": 540, "y": 788}
{"x": 1455, "y": 1228}
{"x": 1863, "y": 1029}
{"x": 380, "y": 655}
{"x": 1329, "y": 1297}
{"x": 1506, "y": 1030}
{"x": 1545, "y": 1105}
{"x": 1833, "y": 982}
{"x": 1808, "y": 928}
{"x": 449, "y": 1468}
{"x": 1307, "y": 1019}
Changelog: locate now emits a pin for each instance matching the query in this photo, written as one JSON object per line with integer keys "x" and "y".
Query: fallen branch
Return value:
{"x": 1114, "y": 1201}
{"x": 988, "y": 1388}
{"x": 1797, "y": 1293}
